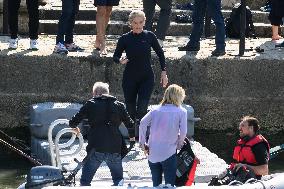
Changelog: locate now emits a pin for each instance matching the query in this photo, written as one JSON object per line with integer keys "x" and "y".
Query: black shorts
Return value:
{"x": 106, "y": 2}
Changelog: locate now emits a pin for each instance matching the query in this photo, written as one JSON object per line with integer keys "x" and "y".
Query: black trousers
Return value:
{"x": 13, "y": 14}
{"x": 137, "y": 93}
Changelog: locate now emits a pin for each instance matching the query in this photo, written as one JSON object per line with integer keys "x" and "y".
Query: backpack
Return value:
{"x": 233, "y": 23}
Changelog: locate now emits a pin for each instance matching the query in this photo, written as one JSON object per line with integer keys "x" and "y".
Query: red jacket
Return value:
{"x": 243, "y": 151}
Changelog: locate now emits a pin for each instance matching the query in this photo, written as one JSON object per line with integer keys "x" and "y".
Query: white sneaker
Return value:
{"x": 13, "y": 44}
{"x": 161, "y": 42}
{"x": 60, "y": 49}
{"x": 33, "y": 44}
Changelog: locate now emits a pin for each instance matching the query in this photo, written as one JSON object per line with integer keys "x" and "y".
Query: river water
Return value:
{"x": 13, "y": 169}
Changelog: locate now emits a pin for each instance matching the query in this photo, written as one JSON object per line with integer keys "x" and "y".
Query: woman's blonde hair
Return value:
{"x": 134, "y": 14}
{"x": 174, "y": 94}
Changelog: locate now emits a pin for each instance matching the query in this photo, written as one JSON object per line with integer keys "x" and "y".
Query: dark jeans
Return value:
{"x": 13, "y": 14}
{"x": 94, "y": 160}
{"x": 66, "y": 23}
{"x": 214, "y": 11}
{"x": 164, "y": 17}
{"x": 169, "y": 167}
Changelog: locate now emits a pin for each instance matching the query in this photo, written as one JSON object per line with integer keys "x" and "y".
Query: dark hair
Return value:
{"x": 252, "y": 121}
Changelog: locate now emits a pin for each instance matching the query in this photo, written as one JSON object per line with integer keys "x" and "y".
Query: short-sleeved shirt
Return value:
{"x": 261, "y": 154}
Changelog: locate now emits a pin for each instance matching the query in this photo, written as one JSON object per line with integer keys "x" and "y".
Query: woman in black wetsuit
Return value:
{"x": 138, "y": 76}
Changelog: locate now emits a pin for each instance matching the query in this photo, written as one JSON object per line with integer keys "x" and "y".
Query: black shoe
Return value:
{"x": 218, "y": 52}
{"x": 188, "y": 48}
{"x": 42, "y": 2}
{"x": 184, "y": 18}
{"x": 281, "y": 45}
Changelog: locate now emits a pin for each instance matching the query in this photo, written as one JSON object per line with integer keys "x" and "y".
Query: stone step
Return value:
{"x": 120, "y": 27}
{"x": 122, "y": 14}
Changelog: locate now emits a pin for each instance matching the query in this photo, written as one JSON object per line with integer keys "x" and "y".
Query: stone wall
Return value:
{"x": 221, "y": 91}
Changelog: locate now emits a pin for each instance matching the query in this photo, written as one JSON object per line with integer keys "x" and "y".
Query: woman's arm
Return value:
{"x": 120, "y": 47}
{"x": 160, "y": 53}
{"x": 144, "y": 124}
{"x": 182, "y": 128}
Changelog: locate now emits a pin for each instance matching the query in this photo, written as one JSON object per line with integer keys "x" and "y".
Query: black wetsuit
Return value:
{"x": 138, "y": 76}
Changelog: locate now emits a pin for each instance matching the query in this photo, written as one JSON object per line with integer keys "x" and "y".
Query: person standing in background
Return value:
{"x": 164, "y": 17}
{"x": 104, "y": 8}
{"x": 275, "y": 16}
{"x": 64, "y": 38}
{"x": 213, "y": 8}
{"x": 13, "y": 16}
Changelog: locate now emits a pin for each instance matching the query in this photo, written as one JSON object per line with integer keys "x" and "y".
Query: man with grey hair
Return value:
{"x": 104, "y": 114}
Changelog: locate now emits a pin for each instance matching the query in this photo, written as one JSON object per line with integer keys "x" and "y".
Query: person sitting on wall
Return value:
{"x": 104, "y": 114}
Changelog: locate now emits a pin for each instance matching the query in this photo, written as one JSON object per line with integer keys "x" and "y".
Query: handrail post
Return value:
{"x": 242, "y": 28}
{"x": 5, "y": 17}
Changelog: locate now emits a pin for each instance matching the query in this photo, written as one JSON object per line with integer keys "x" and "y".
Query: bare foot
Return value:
{"x": 277, "y": 37}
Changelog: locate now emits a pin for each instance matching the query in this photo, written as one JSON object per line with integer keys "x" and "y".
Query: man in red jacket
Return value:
{"x": 252, "y": 150}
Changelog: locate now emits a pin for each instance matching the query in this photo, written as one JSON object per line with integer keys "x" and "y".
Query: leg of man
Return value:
{"x": 198, "y": 23}
{"x": 13, "y": 11}
{"x": 149, "y": 9}
{"x": 90, "y": 167}
{"x": 164, "y": 18}
{"x": 156, "y": 171}
{"x": 169, "y": 168}
{"x": 71, "y": 21}
{"x": 214, "y": 9}
{"x": 32, "y": 6}
{"x": 115, "y": 165}
{"x": 67, "y": 11}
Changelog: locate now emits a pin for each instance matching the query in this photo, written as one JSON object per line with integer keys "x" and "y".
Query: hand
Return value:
{"x": 123, "y": 60}
{"x": 197, "y": 160}
{"x": 132, "y": 139}
{"x": 164, "y": 79}
{"x": 238, "y": 166}
{"x": 132, "y": 142}
{"x": 146, "y": 150}
{"x": 77, "y": 130}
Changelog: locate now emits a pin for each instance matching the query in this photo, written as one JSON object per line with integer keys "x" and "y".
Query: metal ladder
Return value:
{"x": 55, "y": 146}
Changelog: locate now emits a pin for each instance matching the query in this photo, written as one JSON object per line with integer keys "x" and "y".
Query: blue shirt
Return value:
{"x": 168, "y": 128}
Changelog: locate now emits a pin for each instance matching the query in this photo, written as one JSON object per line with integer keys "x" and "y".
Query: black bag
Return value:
{"x": 241, "y": 175}
{"x": 233, "y": 23}
{"x": 185, "y": 159}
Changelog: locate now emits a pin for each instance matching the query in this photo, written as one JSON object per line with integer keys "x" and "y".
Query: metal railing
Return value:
{"x": 55, "y": 147}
